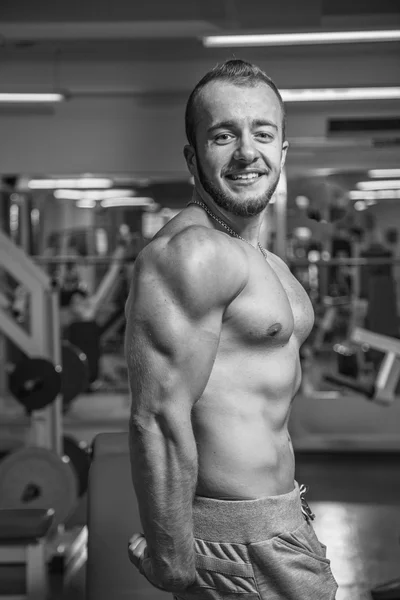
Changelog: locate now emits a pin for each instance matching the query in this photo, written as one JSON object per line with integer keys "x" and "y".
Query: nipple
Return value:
{"x": 274, "y": 329}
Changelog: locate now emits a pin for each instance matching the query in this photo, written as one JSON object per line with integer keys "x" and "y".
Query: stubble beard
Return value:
{"x": 250, "y": 208}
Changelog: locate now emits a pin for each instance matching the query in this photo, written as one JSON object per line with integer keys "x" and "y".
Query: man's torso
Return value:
{"x": 240, "y": 421}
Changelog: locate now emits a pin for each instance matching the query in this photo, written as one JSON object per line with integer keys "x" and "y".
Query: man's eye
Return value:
{"x": 264, "y": 135}
{"x": 223, "y": 138}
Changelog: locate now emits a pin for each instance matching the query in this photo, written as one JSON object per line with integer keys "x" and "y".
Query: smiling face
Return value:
{"x": 239, "y": 150}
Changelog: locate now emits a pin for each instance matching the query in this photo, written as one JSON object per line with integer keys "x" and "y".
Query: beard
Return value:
{"x": 249, "y": 208}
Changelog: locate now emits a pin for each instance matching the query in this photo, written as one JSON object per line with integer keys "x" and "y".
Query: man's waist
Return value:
{"x": 246, "y": 521}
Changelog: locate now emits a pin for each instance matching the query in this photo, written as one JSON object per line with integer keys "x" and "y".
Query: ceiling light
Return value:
{"x": 68, "y": 194}
{"x": 336, "y": 94}
{"x": 79, "y": 183}
{"x": 384, "y": 173}
{"x": 86, "y": 203}
{"x": 325, "y": 171}
{"x": 374, "y": 195}
{"x": 62, "y": 194}
{"x": 111, "y": 202}
{"x": 301, "y": 38}
{"x": 389, "y": 184}
{"x": 387, "y": 194}
{"x": 32, "y": 98}
{"x": 360, "y": 195}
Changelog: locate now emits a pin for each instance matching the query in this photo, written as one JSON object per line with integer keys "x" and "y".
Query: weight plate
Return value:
{"x": 38, "y": 478}
{"x": 75, "y": 373}
{"x": 35, "y": 383}
{"x": 78, "y": 454}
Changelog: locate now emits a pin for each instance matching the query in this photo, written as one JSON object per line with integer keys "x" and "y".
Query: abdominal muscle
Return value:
{"x": 243, "y": 445}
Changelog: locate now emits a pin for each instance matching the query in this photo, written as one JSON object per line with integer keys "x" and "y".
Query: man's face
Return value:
{"x": 239, "y": 151}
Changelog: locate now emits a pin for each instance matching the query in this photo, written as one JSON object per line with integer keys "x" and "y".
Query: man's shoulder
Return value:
{"x": 194, "y": 246}
{"x": 277, "y": 260}
{"x": 196, "y": 257}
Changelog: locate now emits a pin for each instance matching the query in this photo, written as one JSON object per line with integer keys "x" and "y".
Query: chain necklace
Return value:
{"x": 229, "y": 229}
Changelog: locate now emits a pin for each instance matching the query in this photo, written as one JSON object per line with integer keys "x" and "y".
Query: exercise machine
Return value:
{"x": 38, "y": 485}
{"x": 381, "y": 387}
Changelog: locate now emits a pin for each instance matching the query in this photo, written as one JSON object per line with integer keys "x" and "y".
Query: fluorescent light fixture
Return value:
{"x": 383, "y": 184}
{"x": 111, "y": 202}
{"x": 374, "y": 195}
{"x": 324, "y": 172}
{"x": 68, "y": 194}
{"x": 387, "y": 194}
{"x": 301, "y": 38}
{"x": 86, "y": 203}
{"x": 79, "y": 183}
{"x": 336, "y": 94}
{"x": 62, "y": 194}
{"x": 31, "y": 98}
{"x": 359, "y": 195}
{"x": 384, "y": 173}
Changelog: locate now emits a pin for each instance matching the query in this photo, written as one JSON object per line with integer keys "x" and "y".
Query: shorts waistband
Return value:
{"x": 246, "y": 521}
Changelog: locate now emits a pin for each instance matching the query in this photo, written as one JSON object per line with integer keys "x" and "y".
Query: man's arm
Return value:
{"x": 174, "y": 314}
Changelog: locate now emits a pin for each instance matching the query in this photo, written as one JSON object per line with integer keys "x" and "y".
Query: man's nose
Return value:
{"x": 245, "y": 150}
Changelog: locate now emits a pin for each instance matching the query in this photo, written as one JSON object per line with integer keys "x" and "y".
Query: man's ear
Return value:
{"x": 190, "y": 157}
{"x": 285, "y": 147}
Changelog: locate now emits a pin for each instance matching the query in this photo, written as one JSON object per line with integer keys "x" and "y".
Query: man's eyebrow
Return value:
{"x": 231, "y": 125}
{"x": 221, "y": 125}
{"x": 264, "y": 123}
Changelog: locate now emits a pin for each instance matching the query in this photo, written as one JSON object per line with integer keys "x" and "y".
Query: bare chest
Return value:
{"x": 272, "y": 308}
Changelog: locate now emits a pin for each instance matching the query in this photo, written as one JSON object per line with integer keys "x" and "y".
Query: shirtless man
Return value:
{"x": 214, "y": 328}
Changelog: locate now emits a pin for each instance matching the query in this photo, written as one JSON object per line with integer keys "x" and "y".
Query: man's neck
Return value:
{"x": 246, "y": 227}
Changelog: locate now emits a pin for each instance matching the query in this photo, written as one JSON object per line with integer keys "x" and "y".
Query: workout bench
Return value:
{"x": 22, "y": 541}
{"x": 113, "y": 516}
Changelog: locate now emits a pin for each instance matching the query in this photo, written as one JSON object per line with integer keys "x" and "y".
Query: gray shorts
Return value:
{"x": 264, "y": 549}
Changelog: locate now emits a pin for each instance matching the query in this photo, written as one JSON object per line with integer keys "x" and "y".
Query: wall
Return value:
{"x": 127, "y": 115}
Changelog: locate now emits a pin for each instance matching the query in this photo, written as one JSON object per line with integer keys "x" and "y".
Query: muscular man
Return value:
{"x": 214, "y": 327}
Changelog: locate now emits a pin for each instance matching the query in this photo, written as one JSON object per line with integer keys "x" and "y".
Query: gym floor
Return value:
{"x": 356, "y": 500}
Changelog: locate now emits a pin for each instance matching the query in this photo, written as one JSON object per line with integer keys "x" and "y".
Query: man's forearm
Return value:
{"x": 164, "y": 474}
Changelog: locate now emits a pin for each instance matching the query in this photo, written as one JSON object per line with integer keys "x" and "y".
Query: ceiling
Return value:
{"x": 144, "y": 29}
{"x": 82, "y": 31}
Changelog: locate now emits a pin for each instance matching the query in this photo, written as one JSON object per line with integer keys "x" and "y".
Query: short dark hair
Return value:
{"x": 238, "y": 72}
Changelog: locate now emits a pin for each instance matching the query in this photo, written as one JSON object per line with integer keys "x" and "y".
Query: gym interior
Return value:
{"x": 92, "y": 104}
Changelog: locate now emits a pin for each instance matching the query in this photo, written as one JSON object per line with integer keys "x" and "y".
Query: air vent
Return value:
{"x": 369, "y": 125}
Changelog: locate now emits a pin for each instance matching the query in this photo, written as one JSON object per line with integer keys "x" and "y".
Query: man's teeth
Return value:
{"x": 246, "y": 176}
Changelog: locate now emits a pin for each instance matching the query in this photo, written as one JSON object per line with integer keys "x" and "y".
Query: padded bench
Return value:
{"x": 23, "y": 542}
{"x": 113, "y": 516}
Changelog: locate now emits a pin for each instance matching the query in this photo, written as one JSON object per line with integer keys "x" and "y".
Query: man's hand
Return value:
{"x": 139, "y": 556}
